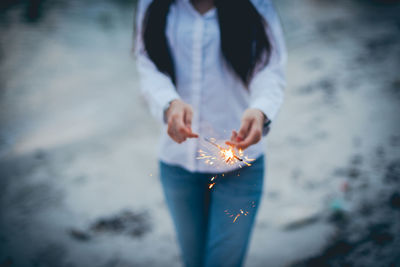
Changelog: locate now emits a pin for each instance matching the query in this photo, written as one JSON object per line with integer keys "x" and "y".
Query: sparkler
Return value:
{"x": 225, "y": 155}
{"x": 228, "y": 155}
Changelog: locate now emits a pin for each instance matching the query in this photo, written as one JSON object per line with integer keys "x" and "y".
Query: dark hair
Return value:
{"x": 244, "y": 42}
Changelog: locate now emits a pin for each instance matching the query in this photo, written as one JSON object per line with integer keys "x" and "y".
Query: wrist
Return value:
{"x": 265, "y": 122}
{"x": 260, "y": 114}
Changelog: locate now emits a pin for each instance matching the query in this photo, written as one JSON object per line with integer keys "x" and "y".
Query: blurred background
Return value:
{"x": 78, "y": 164}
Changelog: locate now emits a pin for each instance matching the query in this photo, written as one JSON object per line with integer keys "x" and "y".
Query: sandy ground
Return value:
{"x": 78, "y": 169}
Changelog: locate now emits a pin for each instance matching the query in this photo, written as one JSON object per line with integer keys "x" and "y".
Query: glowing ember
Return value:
{"x": 228, "y": 155}
{"x": 212, "y": 183}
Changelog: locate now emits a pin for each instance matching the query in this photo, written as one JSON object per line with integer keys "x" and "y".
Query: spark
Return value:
{"x": 211, "y": 185}
{"x": 227, "y": 155}
{"x": 241, "y": 212}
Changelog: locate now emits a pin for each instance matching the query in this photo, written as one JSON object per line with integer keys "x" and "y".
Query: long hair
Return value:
{"x": 244, "y": 42}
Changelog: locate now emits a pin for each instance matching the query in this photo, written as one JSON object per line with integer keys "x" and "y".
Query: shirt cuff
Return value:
{"x": 269, "y": 106}
{"x": 163, "y": 99}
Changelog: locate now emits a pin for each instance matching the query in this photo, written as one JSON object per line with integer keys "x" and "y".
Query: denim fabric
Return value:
{"x": 202, "y": 217}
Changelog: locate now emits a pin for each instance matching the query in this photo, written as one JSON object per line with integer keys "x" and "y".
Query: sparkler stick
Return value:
{"x": 211, "y": 142}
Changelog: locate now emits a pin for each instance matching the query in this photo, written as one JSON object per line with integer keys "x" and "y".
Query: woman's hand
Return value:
{"x": 179, "y": 118}
{"x": 250, "y": 131}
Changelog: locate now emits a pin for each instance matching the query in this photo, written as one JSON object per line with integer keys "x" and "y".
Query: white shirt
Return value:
{"x": 204, "y": 81}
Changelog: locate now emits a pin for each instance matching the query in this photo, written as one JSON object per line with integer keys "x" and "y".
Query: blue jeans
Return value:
{"x": 204, "y": 218}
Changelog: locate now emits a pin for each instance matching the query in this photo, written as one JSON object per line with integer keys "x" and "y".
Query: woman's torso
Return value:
{"x": 204, "y": 81}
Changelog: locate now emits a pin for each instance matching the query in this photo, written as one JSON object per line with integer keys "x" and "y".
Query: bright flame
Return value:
{"x": 228, "y": 155}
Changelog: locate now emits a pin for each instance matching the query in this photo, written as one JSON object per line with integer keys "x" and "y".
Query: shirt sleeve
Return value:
{"x": 267, "y": 86}
{"x": 156, "y": 87}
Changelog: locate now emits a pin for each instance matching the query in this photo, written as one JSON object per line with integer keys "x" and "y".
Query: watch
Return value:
{"x": 266, "y": 125}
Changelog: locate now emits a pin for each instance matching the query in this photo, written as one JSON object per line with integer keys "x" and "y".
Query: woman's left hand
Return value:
{"x": 250, "y": 131}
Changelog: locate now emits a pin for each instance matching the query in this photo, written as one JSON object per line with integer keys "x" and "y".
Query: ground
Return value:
{"x": 78, "y": 169}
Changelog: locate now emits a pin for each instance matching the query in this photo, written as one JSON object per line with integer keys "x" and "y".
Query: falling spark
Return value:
{"x": 236, "y": 215}
{"x": 227, "y": 155}
{"x": 211, "y": 185}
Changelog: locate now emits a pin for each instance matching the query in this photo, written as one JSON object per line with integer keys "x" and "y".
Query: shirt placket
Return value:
{"x": 196, "y": 83}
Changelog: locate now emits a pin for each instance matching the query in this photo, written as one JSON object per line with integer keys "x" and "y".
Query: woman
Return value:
{"x": 208, "y": 67}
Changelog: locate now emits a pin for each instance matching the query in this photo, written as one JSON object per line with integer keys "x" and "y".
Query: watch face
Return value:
{"x": 266, "y": 124}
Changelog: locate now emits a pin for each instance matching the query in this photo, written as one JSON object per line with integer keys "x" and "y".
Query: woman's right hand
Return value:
{"x": 179, "y": 118}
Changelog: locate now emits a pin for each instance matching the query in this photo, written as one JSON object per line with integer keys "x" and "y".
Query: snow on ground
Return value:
{"x": 78, "y": 167}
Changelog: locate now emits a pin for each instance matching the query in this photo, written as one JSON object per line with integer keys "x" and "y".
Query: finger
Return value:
{"x": 191, "y": 134}
{"x": 179, "y": 134}
{"x": 171, "y": 130}
{"x": 185, "y": 132}
{"x": 253, "y": 137}
{"x": 178, "y": 138}
{"x": 181, "y": 128}
{"x": 234, "y": 135}
{"x": 233, "y": 139}
{"x": 231, "y": 143}
{"x": 244, "y": 128}
{"x": 188, "y": 114}
{"x": 176, "y": 127}
{"x": 188, "y": 123}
